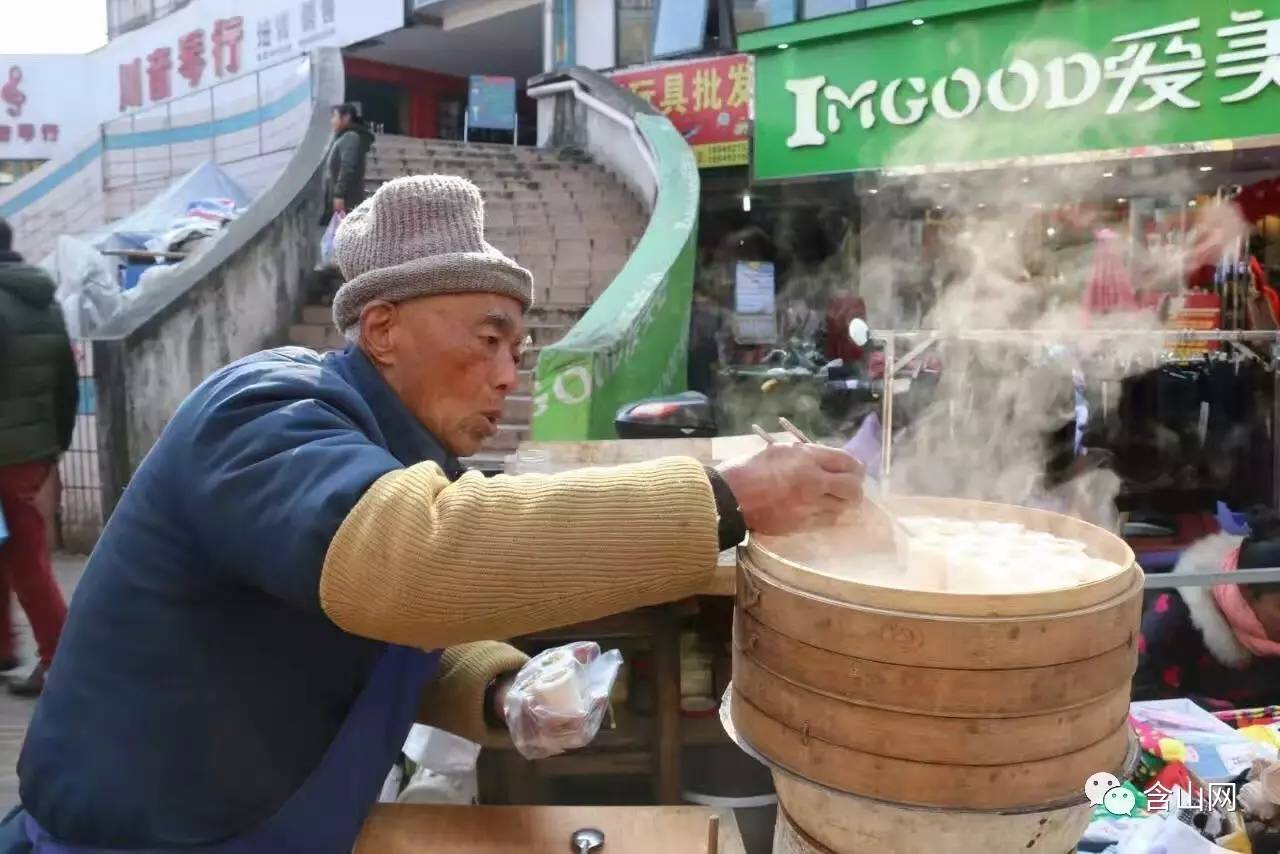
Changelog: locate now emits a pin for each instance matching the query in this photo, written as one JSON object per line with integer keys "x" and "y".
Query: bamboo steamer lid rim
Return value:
{"x": 1132, "y": 756}
{"x": 766, "y": 554}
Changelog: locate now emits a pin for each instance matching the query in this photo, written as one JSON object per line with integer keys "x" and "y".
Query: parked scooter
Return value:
{"x": 794, "y": 382}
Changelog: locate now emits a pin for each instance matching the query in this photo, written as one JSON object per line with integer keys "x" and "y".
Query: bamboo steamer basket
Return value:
{"x": 841, "y": 823}
{"x": 948, "y": 702}
{"x": 815, "y": 819}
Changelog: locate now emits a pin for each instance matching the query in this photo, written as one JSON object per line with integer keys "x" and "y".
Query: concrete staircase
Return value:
{"x": 554, "y": 211}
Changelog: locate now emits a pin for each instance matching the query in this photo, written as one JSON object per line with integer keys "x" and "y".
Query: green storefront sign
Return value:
{"x": 941, "y": 82}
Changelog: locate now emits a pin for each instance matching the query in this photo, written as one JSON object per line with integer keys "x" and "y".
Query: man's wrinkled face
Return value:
{"x": 452, "y": 360}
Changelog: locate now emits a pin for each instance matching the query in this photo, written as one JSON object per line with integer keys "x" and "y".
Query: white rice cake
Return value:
{"x": 960, "y": 556}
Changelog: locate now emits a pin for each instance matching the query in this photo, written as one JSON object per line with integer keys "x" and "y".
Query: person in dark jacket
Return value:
{"x": 708, "y": 330}
{"x": 38, "y": 396}
{"x": 348, "y": 154}
{"x": 1219, "y": 646}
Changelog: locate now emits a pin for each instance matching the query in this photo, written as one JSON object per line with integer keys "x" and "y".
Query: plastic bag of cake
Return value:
{"x": 559, "y": 699}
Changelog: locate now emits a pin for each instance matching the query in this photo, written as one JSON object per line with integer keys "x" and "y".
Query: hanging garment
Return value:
{"x": 1110, "y": 288}
{"x": 841, "y": 309}
{"x": 1266, "y": 314}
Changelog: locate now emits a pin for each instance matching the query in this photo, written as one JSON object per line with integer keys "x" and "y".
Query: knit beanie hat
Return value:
{"x": 420, "y": 236}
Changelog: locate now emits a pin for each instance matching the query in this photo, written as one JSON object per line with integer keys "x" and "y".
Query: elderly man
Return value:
{"x": 299, "y": 569}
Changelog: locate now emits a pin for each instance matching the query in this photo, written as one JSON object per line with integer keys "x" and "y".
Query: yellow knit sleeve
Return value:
{"x": 454, "y": 701}
{"x": 424, "y": 562}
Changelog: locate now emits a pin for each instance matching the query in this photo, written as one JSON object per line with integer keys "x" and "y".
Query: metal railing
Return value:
{"x": 80, "y": 503}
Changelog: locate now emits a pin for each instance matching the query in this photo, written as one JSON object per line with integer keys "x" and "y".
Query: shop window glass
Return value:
{"x": 635, "y": 31}
{"x": 563, "y": 33}
{"x": 681, "y": 27}
{"x": 751, "y": 15}
{"x": 822, "y": 8}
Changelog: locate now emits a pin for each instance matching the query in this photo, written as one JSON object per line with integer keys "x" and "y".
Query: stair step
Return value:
{"x": 316, "y": 337}
{"x": 318, "y": 315}
{"x": 518, "y": 408}
{"x": 489, "y": 462}
{"x": 574, "y": 294}
{"x": 394, "y": 142}
{"x": 317, "y": 331}
{"x": 554, "y": 311}
{"x": 508, "y": 438}
{"x": 374, "y": 180}
{"x": 545, "y": 334}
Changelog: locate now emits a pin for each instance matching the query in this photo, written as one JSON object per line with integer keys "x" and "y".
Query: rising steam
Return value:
{"x": 984, "y": 433}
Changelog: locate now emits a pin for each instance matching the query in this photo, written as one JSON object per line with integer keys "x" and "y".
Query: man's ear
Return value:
{"x": 377, "y": 333}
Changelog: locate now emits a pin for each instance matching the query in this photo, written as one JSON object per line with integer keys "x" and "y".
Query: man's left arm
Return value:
{"x": 458, "y": 699}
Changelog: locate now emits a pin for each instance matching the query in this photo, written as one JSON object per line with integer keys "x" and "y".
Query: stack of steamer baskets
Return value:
{"x": 901, "y": 720}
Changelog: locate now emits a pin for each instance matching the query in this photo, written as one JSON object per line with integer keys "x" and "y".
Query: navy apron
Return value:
{"x": 326, "y": 814}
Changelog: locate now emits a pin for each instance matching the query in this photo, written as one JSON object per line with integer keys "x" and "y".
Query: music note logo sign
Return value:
{"x": 11, "y": 95}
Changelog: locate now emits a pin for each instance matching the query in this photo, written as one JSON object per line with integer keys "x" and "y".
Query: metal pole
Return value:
{"x": 133, "y": 151}
{"x": 886, "y": 441}
{"x": 257, "y": 80}
{"x": 1014, "y": 335}
{"x": 106, "y": 172}
{"x": 915, "y": 352}
{"x": 1241, "y": 577}
{"x": 168, "y": 123}
{"x": 213, "y": 133}
{"x": 1275, "y": 428}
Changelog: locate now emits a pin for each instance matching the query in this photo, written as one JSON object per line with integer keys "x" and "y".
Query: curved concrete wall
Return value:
{"x": 238, "y": 297}
{"x": 633, "y": 342}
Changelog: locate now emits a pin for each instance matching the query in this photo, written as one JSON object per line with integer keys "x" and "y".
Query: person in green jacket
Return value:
{"x": 38, "y": 397}
{"x": 348, "y": 154}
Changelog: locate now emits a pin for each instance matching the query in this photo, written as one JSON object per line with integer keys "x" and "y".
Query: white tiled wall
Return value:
{"x": 75, "y": 205}
{"x": 125, "y": 177}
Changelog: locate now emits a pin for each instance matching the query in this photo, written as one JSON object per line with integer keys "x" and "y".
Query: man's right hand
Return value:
{"x": 783, "y": 489}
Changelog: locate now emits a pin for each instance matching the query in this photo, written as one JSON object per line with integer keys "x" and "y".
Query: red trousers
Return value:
{"x": 25, "y": 565}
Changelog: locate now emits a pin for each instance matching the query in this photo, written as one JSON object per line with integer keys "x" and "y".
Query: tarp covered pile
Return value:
{"x": 181, "y": 218}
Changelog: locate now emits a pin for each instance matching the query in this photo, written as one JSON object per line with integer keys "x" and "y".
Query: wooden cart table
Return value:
{"x": 421, "y": 829}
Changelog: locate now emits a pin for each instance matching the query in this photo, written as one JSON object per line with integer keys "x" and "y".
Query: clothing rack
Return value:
{"x": 1241, "y": 577}
{"x": 924, "y": 339}
{"x": 920, "y": 341}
